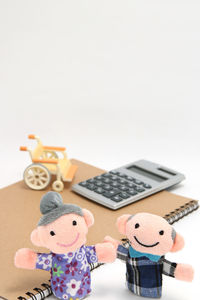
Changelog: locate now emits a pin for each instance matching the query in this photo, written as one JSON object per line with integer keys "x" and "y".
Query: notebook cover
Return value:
{"x": 19, "y": 214}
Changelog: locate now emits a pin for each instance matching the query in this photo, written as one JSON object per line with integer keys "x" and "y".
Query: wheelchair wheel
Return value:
{"x": 37, "y": 177}
{"x": 58, "y": 186}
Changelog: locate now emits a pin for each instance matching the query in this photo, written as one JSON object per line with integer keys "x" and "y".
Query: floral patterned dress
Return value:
{"x": 70, "y": 273}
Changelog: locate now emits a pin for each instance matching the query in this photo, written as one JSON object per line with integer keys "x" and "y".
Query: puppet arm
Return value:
{"x": 109, "y": 239}
{"x": 102, "y": 253}
{"x": 184, "y": 272}
{"x": 25, "y": 258}
{"x": 179, "y": 271}
{"x": 121, "y": 250}
{"x": 28, "y": 259}
{"x": 106, "y": 253}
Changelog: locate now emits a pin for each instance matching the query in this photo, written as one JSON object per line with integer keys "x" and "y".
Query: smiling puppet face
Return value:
{"x": 63, "y": 227}
{"x": 65, "y": 234}
{"x": 150, "y": 233}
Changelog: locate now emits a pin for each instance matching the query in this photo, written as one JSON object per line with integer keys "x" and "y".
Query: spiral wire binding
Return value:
{"x": 181, "y": 212}
{"x": 40, "y": 291}
{"x": 48, "y": 287}
{"x": 31, "y": 295}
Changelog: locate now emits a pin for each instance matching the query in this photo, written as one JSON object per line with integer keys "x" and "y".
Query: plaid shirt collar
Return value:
{"x": 134, "y": 253}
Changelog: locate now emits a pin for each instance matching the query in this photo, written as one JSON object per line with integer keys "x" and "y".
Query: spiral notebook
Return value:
{"x": 19, "y": 214}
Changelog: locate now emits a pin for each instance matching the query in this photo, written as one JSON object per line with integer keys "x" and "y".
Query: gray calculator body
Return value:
{"x": 128, "y": 184}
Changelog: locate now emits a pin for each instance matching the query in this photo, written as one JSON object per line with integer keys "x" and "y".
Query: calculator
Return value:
{"x": 128, "y": 184}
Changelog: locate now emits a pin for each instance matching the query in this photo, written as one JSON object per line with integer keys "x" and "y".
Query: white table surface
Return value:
{"x": 114, "y": 81}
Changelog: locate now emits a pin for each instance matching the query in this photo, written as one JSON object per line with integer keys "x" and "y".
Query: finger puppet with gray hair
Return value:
{"x": 63, "y": 229}
{"x": 148, "y": 238}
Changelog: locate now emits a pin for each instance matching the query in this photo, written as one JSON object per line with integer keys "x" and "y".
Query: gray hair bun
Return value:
{"x": 50, "y": 201}
{"x": 52, "y": 208}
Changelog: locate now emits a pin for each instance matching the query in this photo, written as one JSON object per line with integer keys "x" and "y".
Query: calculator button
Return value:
{"x": 122, "y": 175}
{"x": 113, "y": 177}
{"x": 124, "y": 195}
{"x": 122, "y": 181}
{"x": 106, "y": 180}
{"x": 130, "y": 185}
{"x": 114, "y": 172}
{"x": 110, "y": 194}
{"x": 123, "y": 188}
{"x": 99, "y": 190}
{"x": 117, "y": 198}
{"x": 99, "y": 183}
{"x": 107, "y": 175}
{"x": 132, "y": 192}
{"x": 83, "y": 183}
{"x": 107, "y": 187}
{"x": 147, "y": 186}
{"x": 130, "y": 178}
{"x": 137, "y": 181}
{"x": 92, "y": 180}
{"x": 91, "y": 186}
{"x": 98, "y": 177}
{"x": 115, "y": 184}
{"x": 139, "y": 189}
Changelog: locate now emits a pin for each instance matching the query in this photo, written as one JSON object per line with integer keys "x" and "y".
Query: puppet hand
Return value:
{"x": 184, "y": 272}
{"x": 25, "y": 258}
{"x": 109, "y": 239}
{"x": 106, "y": 253}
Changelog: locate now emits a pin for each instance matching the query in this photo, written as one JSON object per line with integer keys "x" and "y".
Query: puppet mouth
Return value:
{"x": 69, "y": 245}
{"x": 153, "y": 245}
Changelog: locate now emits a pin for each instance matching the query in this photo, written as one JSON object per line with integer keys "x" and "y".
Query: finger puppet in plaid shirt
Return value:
{"x": 149, "y": 238}
{"x": 63, "y": 229}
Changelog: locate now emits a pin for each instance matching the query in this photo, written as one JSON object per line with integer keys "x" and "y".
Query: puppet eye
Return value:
{"x": 74, "y": 223}
{"x": 137, "y": 225}
{"x": 161, "y": 232}
{"x": 52, "y": 233}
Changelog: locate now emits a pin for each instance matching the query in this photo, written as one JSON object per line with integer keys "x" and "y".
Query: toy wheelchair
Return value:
{"x": 46, "y": 162}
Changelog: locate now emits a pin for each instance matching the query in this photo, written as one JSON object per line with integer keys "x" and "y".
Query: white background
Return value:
{"x": 113, "y": 81}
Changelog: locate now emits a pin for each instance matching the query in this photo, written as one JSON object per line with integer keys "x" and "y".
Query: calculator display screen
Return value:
{"x": 147, "y": 174}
